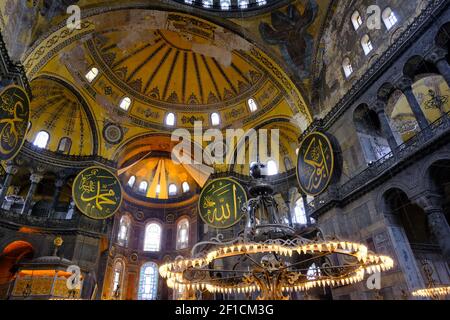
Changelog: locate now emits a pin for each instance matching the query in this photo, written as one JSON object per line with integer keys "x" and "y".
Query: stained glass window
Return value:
{"x": 148, "y": 282}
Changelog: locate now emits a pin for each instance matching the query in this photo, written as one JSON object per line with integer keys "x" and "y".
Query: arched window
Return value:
{"x": 92, "y": 74}
{"x": 64, "y": 145}
{"x": 207, "y": 3}
{"x": 185, "y": 186}
{"x": 125, "y": 104}
{"x": 225, "y": 4}
{"x": 243, "y": 4}
{"x": 117, "y": 278}
{"x": 356, "y": 20}
{"x": 272, "y": 168}
{"x": 215, "y": 119}
{"x": 300, "y": 212}
{"x": 389, "y": 18}
{"x": 152, "y": 239}
{"x": 261, "y": 2}
{"x": 182, "y": 234}
{"x": 252, "y": 105}
{"x": 170, "y": 119}
{"x": 148, "y": 282}
{"x": 143, "y": 186}
{"x": 313, "y": 272}
{"x": 132, "y": 181}
{"x": 172, "y": 190}
{"x": 347, "y": 66}
{"x": 366, "y": 44}
{"x": 158, "y": 189}
{"x": 41, "y": 139}
{"x": 124, "y": 230}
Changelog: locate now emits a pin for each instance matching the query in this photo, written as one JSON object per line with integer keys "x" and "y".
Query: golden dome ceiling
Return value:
{"x": 168, "y": 62}
{"x": 59, "y": 111}
{"x": 174, "y": 70}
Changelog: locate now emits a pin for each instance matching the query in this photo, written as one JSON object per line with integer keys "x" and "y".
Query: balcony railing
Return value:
{"x": 376, "y": 170}
{"x": 78, "y": 222}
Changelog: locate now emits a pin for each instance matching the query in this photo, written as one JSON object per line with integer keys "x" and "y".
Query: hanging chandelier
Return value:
{"x": 434, "y": 293}
{"x": 270, "y": 258}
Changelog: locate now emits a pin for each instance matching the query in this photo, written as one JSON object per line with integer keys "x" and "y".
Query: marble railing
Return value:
{"x": 372, "y": 175}
{"x": 78, "y": 222}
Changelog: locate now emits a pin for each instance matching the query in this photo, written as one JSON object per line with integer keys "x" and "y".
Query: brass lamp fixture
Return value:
{"x": 270, "y": 258}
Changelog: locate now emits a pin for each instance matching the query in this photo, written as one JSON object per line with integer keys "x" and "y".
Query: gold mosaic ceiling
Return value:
{"x": 173, "y": 70}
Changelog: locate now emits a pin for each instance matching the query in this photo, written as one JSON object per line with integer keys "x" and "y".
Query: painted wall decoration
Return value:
{"x": 315, "y": 163}
{"x": 14, "y": 119}
{"x": 220, "y": 204}
{"x": 97, "y": 193}
{"x": 289, "y": 31}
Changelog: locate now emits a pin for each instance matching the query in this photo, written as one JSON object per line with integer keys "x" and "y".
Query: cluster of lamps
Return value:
{"x": 432, "y": 292}
{"x": 368, "y": 263}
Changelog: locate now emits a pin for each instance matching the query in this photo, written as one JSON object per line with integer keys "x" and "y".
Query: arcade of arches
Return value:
{"x": 111, "y": 92}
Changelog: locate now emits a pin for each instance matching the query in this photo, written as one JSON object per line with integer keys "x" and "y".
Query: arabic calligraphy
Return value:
{"x": 315, "y": 164}
{"x": 221, "y": 202}
{"x": 97, "y": 193}
{"x": 14, "y": 118}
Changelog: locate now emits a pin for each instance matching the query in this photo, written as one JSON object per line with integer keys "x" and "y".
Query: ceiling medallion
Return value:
{"x": 97, "y": 193}
{"x": 14, "y": 120}
{"x": 113, "y": 133}
{"x": 315, "y": 164}
{"x": 271, "y": 258}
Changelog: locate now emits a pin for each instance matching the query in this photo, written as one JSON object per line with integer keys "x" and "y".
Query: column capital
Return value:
{"x": 11, "y": 169}
{"x": 436, "y": 55}
{"x": 429, "y": 201}
{"x": 59, "y": 182}
{"x": 405, "y": 84}
{"x": 379, "y": 106}
{"x": 36, "y": 178}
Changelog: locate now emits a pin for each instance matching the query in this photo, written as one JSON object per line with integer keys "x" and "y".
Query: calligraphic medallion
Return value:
{"x": 97, "y": 193}
{"x": 315, "y": 163}
{"x": 220, "y": 204}
{"x": 14, "y": 119}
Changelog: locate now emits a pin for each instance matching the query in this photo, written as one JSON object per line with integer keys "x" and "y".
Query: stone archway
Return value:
{"x": 12, "y": 254}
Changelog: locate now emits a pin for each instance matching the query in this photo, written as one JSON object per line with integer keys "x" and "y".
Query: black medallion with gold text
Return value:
{"x": 315, "y": 163}
{"x": 14, "y": 119}
{"x": 97, "y": 192}
{"x": 221, "y": 201}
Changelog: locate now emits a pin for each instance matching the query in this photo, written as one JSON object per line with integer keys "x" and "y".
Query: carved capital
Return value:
{"x": 430, "y": 202}
{"x": 437, "y": 55}
{"x": 11, "y": 169}
{"x": 379, "y": 106}
{"x": 36, "y": 178}
{"x": 59, "y": 183}
{"x": 405, "y": 84}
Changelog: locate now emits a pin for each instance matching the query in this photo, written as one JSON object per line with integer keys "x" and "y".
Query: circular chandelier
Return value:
{"x": 434, "y": 293}
{"x": 270, "y": 258}
{"x": 275, "y": 272}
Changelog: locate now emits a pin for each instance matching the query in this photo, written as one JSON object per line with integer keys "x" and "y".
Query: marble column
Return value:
{"x": 307, "y": 209}
{"x": 35, "y": 179}
{"x": 405, "y": 86}
{"x": 439, "y": 58}
{"x": 437, "y": 223}
{"x": 11, "y": 170}
{"x": 59, "y": 183}
{"x": 380, "y": 107}
{"x": 289, "y": 213}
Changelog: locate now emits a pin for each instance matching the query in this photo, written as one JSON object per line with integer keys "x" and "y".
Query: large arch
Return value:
{"x": 12, "y": 254}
